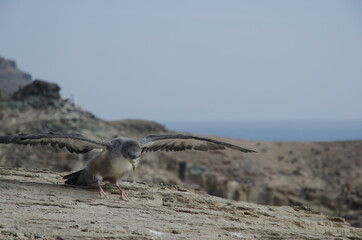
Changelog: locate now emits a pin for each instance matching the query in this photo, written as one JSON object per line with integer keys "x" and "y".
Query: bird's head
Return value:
{"x": 131, "y": 150}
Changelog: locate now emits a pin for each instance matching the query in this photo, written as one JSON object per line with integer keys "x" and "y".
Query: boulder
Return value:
{"x": 38, "y": 88}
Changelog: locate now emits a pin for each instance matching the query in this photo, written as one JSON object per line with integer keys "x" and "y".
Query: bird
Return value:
{"x": 116, "y": 157}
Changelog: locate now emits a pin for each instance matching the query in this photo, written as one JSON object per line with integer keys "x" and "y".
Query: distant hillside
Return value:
{"x": 11, "y": 77}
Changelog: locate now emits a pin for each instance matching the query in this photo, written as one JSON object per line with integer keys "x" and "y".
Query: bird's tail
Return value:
{"x": 80, "y": 177}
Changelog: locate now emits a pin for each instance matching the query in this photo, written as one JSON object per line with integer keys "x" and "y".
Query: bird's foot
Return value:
{"x": 125, "y": 197}
{"x": 102, "y": 193}
{"x": 123, "y": 193}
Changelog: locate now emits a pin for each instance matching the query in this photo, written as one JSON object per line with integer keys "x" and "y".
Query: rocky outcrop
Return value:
{"x": 37, "y": 88}
{"x": 35, "y": 204}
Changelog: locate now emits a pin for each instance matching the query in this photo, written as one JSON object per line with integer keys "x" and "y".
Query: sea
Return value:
{"x": 280, "y": 131}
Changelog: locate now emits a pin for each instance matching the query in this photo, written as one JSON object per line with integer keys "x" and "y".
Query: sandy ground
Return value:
{"x": 35, "y": 204}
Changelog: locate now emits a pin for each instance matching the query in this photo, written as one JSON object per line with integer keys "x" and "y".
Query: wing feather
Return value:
{"x": 74, "y": 143}
{"x": 180, "y": 142}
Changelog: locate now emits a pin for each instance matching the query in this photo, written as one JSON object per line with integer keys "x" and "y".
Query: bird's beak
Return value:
{"x": 133, "y": 161}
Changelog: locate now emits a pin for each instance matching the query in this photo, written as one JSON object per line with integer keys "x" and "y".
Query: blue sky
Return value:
{"x": 194, "y": 60}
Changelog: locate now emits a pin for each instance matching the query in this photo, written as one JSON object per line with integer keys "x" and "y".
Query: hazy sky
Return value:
{"x": 194, "y": 60}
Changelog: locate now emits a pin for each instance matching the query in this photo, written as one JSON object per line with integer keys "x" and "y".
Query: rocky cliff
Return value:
{"x": 324, "y": 176}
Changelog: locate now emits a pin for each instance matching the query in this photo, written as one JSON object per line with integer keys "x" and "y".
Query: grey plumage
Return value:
{"x": 77, "y": 178}
{"x": 73, "y": 142}
{"x": 110, "y": 165}
{"x": 180, "y": 142}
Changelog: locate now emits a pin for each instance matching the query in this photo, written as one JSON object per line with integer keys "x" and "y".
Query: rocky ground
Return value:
{"x": 35, "y": 204}
{"x": 325, "y": 176}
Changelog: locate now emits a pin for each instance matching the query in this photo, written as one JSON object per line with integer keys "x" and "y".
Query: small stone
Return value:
{"x": 175, "y": 232}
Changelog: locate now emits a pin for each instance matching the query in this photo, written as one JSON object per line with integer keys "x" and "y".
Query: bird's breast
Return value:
{"x": 109, "y": 166}
{"x": 120, "y": 166}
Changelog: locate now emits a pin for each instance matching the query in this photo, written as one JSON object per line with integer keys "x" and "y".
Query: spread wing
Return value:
{"x": 74, "y": 143}
{"x": 154, "y": 143}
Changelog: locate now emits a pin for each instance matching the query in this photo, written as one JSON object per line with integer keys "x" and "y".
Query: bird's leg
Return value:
{"x": 101, "y": 191}
{"x": 124, "y": 195}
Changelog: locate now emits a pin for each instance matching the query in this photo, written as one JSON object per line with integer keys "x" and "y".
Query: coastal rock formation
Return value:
{"x": 38, "y": 88}
{"x": 325, "y": 176}
{"x": 35, "y": 204}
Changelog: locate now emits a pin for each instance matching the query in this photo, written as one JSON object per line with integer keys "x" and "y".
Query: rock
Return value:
{"x": 39, "y": 88}
{"x": 43, "y": 207}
